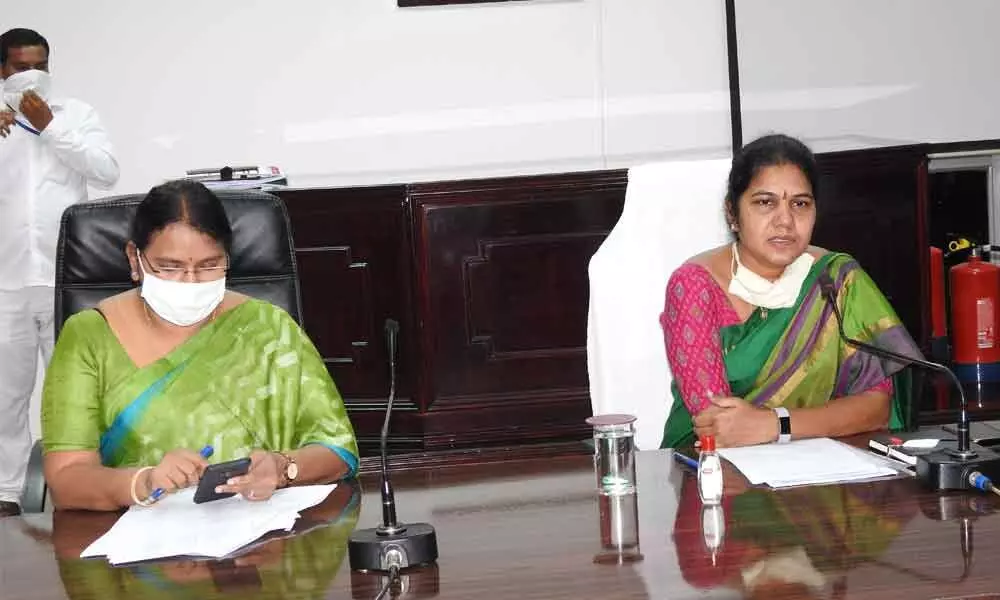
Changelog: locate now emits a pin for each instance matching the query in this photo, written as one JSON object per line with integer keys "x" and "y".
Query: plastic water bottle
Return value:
{"x": 709, "y": 473}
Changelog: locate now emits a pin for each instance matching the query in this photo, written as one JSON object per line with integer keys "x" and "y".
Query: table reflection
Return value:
{"x": 790, "y": 543}
{"x": 619, "y": 525}
{"x": 419, "y": 582}
{"x": 299, "y": 563}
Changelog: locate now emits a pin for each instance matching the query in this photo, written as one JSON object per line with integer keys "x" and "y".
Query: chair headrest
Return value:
{"x": 91, "y": 263}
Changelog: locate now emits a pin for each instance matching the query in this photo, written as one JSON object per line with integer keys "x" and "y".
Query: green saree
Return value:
{"x": 794, "y": 356}
{"x": 249, "y": 379}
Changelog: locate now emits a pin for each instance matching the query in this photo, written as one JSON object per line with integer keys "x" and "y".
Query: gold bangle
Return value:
{"x": 135, "y": 496}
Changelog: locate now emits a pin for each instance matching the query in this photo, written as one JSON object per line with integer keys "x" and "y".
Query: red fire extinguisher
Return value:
{"x": 939, "y": 320}
{"x": 939, "y": 327}
{"x": 975, "y": 317}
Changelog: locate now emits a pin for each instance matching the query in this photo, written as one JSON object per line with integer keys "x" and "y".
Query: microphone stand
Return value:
{"x": 391, "y": 546}
{"x": 946, "y": 468}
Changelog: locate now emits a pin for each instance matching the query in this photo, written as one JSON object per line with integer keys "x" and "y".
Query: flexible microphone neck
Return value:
{"x": 391, "y": 547}
{"x": 964, "y": 442}
{"x": 389, "y": 524}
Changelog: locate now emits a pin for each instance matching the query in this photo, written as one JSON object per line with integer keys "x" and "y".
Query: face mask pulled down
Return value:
{"x": 180, "y": 302}
{"x": 17, "y": 84}
{"x": 781, "y": 293}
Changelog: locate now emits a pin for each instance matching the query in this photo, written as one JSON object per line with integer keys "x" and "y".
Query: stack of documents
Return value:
{"x": 176, "y": 526}
{"x": 239, "y": 178}
{"x": 805, "y": 462}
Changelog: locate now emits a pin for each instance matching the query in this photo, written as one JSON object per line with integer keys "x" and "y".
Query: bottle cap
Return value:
{"x": 708, "y": 443}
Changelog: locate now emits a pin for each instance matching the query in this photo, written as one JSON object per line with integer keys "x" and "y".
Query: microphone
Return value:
{"x": 947, "y": 468}
{"x": 391, "y": 546}
{"x": 949, "y": 507}
{"x": 389, "y": 524}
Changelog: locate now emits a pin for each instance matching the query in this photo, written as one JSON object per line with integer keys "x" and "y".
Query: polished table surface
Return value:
{"x": 534, "y": 529}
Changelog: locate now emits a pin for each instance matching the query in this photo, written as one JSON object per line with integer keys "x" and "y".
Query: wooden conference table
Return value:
{"x": 533, "y": 529}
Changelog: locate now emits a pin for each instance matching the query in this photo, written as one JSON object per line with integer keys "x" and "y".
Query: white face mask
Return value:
{"x": 18, "y": 83}
{"x": 758, "y": 291}
{"x": 180, "y": 302}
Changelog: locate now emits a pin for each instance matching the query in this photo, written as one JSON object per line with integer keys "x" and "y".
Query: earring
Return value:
{"x": 733, "y": 227}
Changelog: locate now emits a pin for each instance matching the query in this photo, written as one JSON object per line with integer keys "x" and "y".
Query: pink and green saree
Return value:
{"x": 794, "y": 356}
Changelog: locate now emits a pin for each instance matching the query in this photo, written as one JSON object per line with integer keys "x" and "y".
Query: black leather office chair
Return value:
{"x": 91, "y": 265}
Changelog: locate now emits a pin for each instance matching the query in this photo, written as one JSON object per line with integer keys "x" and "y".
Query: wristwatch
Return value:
{"x": 291, "y": 470}
{"x": 784, "y": 425}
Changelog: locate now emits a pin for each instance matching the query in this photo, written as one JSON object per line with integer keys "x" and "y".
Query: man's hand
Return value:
{"x": 733, "y": 422}
{"x": 36, "y": 110}
{"x": 6, "y": 122}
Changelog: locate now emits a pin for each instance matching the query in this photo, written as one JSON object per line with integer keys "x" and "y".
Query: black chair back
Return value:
{"x": 91, "y": 263}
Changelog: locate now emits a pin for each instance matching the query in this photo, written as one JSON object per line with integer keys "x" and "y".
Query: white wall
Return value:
{"x": 856, "y": 73}
{"x": 340, "y": 92}
{"x": 343, "y": 92}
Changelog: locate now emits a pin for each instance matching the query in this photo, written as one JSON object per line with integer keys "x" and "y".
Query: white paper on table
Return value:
{"x": 176, "y": 526}
{"x": 804, "y": 462}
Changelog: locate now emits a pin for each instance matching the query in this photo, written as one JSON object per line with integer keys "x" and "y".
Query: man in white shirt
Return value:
{"x": 51, "y": 149}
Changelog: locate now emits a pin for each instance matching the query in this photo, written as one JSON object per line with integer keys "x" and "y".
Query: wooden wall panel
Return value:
{"x": 343, "y": 323}
{"x": 355, "y": 269}
{"x": 873, "y": 204}
{"x": 502, "y": 274}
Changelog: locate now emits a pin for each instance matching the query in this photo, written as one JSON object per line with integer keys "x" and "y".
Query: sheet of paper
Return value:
{"x": 176, "y": 526}
{"x": 804, "y": 462}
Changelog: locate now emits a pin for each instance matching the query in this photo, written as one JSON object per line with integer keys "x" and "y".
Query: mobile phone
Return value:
{"x": 216, "y": 475}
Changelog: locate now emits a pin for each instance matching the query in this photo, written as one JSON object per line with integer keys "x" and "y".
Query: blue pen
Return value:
{"x": 205, "y": 453}
{"x": 686, "y": 460}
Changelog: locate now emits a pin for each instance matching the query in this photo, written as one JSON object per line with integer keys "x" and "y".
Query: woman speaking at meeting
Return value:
{"x": 143, "y": 382}
{"x": 751, "y": 340}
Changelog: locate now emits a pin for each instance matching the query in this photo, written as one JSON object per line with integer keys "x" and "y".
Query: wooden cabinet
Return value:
{"x": 873, "y": 205}
{"x": 488, "y": 280}
{"x": 355, "y": 270}
{"x": 502, "y": 303}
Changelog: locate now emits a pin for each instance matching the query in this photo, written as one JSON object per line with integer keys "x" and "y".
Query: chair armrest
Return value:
{"x": 33, "y": 495}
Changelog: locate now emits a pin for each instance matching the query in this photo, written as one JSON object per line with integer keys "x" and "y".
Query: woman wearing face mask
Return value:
{"x": 751, "y": 341}
{"x": 138, "y": 385}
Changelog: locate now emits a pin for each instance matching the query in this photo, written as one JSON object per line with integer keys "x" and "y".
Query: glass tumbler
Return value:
{"x": 614, "y": 453}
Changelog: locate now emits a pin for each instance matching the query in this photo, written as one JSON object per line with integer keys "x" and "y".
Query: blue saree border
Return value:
{"x": 124, "y": 423}
{"x": 345, "y": 455}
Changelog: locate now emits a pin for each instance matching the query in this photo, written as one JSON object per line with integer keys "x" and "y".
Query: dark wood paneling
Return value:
{"x": 873, "y": 204}
{"x": 502, "y": 274}
{"x": 488, "y": 280}
{"x": 343, "y": 323}
{"x": 355, "y": 269}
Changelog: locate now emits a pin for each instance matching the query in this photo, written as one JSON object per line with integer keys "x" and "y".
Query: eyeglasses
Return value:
{"x": 178, "y": 273}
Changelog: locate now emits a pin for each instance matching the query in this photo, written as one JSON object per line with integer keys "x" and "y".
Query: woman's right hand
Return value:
{"x": 179, "y": 469}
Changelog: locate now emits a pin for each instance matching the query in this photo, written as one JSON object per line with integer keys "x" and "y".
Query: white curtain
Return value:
{"x": 673, "y": 210}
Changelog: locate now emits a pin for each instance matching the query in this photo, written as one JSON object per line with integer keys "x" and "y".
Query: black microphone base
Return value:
{"x": 942, "y": 469}
{"x": 415, "y": 545}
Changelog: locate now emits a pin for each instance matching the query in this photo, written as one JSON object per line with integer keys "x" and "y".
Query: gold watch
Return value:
{"x": 291, "y": 470}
